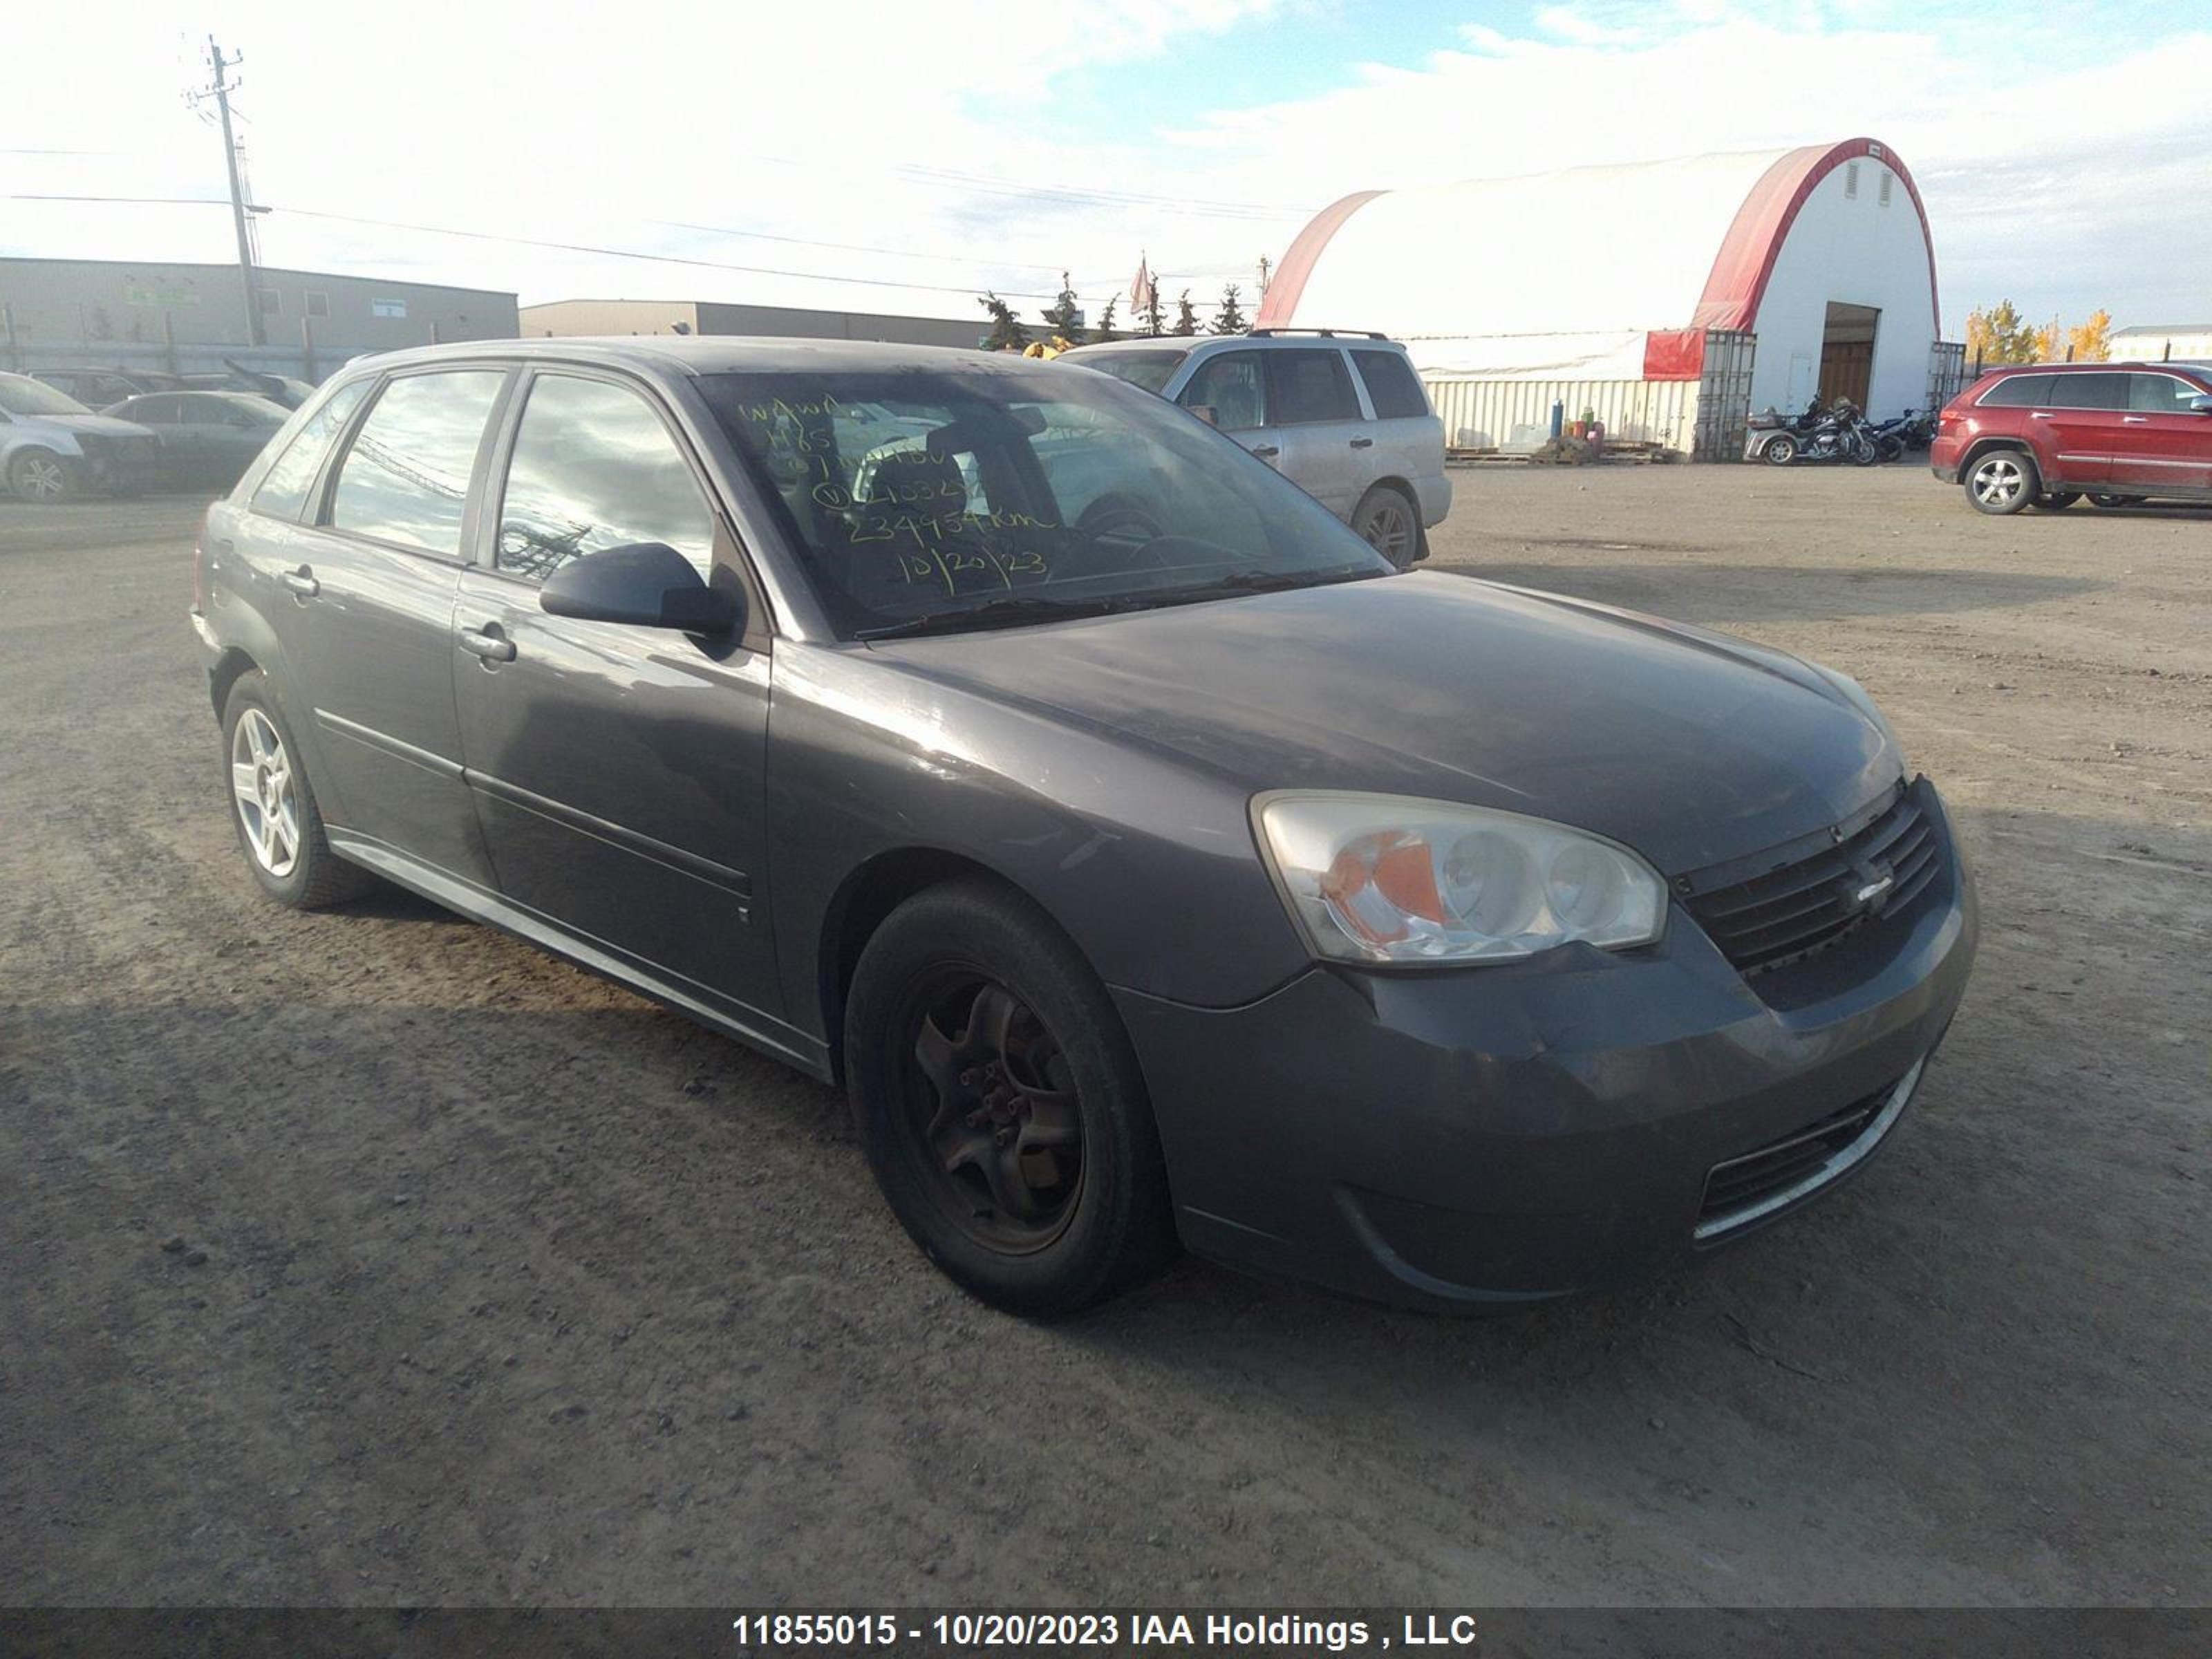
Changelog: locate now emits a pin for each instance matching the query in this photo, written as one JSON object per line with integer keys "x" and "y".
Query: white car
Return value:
{"x": 53, "y": 447}
{"x": 1341, "y": 415}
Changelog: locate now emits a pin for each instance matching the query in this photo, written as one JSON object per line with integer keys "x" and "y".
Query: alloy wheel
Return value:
{"x": 41, "y": 478}
{"x": 261, "y": 781}
{"x": 1999, "y": 480}
{"x": 1388, "y": 529}
{"x": 989, "y": 1115}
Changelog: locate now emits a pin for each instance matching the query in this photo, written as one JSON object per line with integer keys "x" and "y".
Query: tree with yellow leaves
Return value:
{"x": 1997, "y": 335}
{"x": 2092, "y": 341}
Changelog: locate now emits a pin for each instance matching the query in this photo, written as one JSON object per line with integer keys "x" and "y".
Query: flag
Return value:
{"x": 1142, "y": 295}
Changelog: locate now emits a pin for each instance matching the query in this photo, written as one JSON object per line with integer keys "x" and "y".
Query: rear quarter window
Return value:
{"x": 2017, "y": 391}
{"x": 1392, "y": 385}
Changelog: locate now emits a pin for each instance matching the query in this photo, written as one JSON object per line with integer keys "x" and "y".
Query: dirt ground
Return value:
{"x": 515, "y": 1288}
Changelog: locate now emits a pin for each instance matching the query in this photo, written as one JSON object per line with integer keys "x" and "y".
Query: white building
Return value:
{"x": 1667, "y": 298}
{"x": 2155, "y": 342}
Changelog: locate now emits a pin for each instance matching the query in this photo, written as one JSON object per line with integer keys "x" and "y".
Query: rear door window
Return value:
{"x": 2088, "y": 391}
{"x": 283, "y": 491}
{"x": 405, "y": 477}
{"x": 157, "y": 411}
{"x": 1230, "y": 385}
{"x": 1304, "y": 386}
{"x": 1392, "y": 385}
{"x": 2018, "y": 392}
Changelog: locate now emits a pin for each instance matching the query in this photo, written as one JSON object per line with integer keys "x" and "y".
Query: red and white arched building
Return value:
{"x": 1669, "y": 298}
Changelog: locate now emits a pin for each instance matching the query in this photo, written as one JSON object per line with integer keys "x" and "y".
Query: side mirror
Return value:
{"x": 1205, "y": 412}
{"x": 2200, "y": 405}
{"x": 646, "y": 584}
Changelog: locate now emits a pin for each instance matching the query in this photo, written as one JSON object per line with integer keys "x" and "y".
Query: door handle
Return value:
{"x": 489, "y": 643}
{"x": 2135, "y": 419}
{"x": 301, "y": 582}
{"x": 2041, "y": 414}
{"x": 1362, "y": 443}
{"x": 1265, "y": 451}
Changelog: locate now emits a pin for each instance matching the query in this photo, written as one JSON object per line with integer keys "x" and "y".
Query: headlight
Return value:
{"x": 1381, "y": 878}
{"x": 1855, "y": 695}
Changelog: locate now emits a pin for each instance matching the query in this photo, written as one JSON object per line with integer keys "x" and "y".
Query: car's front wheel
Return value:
{"x": 273, "y": 808}
{"x": 1001, "y": 1104}
{"x": 2003, "y": 481}
{"x": 39, "y": 475}
{"x": 1388, "y": 522}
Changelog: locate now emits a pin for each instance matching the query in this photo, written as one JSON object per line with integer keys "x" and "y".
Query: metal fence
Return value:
{"x": 1515, "y": 416}
{"x": 1946, "y": 372}
{"x": 1705, "y": 418}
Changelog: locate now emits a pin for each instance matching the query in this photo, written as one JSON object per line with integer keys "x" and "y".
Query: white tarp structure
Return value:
{"x": 1617, "y": 274}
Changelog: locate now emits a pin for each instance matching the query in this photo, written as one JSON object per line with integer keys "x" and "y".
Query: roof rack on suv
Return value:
{"x": 1329, "y": 333}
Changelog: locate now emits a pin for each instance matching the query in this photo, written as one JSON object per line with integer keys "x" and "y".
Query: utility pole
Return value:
{"x": 1264, "y": 268}
{"x": 219, "y": 88}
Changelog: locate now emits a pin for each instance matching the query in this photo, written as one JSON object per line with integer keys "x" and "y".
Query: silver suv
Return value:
{"x": 1341, "y": 415}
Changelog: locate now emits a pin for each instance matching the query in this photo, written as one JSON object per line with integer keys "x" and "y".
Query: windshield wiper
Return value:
{"x": 1264, "y": 581}
{"x": 1007, "y": 612}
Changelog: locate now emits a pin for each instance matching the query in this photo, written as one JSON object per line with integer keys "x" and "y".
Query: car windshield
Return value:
{"x": 976, "y": 496}
{"x": 1150, "y": 369}
{"x": 21, "y": 395}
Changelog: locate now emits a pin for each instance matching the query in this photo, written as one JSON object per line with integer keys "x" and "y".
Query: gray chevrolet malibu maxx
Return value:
{"x": 1150, "y": 861}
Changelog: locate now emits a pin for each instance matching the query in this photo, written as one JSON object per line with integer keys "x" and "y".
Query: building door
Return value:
{"x": 1847, "y": 353}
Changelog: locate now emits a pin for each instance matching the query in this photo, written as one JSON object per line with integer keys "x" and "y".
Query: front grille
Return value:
{"x": 1786, "y": 915}
{"x": 1741, "y": 1189}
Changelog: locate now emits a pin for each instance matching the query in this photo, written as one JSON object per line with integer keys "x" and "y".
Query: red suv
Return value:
{"x": 2049, "y": 435}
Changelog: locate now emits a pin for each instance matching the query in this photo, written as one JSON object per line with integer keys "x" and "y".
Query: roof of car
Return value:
{"x": 1262, "y": 337}
{"x": 710, "y": 354}
{"x": 2087, "y": 368}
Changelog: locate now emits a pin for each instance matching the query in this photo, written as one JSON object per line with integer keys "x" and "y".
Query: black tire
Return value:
{"x": 2002, "y": 481}
{"x": 1781, "y": 449}
{"x": 1098, "y": 1228}
{"x": 313, "y": 878}
{"x": 41, "y": 476}
{"x": 2059, "y": 500}
{"x": 1893, "y": 448}
{"x": 2100, "y": 498}
{"x": 1387, "y": 521}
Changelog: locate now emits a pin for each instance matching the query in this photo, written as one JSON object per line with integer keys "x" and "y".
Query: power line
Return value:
{"x": 605, "y": 252}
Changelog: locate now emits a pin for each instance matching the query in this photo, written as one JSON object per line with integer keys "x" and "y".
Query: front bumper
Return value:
{"x": 1490, "y": 1137}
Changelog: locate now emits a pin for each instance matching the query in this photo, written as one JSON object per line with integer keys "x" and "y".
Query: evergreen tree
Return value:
{"x": 1007, "y": 333}
{"x": 1186, "y": 317}
{"x": 1103, "y": 328}
{"x": 1065, "y": 315}
{"x": 1155, "y": 324}
{"x": 1231, "y": 318}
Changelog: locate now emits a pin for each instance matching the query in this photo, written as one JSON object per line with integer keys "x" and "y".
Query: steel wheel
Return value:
{"x": 2001, "y": 482}
{"x": 1780, "y": 451}
{"x": 261, "y": 781}
{"x": 39, "y": 477}
{"x": 1385, "y": 522}
{"x": 988, "y": 1114}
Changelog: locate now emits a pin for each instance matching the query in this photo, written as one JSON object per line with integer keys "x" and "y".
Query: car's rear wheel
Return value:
{"x": 1780, "y": 451}
{"x": 39, "y": 475}
{"x": 2003, "y": 480}
{"x": 1388, "y": 522}
{"x": 2059, "y": 500}
{"x": 273, "y": 806}
{"x": 1001, "y": 1104}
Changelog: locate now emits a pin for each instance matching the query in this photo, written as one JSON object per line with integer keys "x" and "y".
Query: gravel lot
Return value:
{"x": 497, "y": 1283}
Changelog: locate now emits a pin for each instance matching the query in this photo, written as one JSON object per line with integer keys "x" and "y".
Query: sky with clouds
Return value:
{"x": 901, "y": 157}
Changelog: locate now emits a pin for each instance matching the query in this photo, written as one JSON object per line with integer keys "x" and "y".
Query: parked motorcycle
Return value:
{"x": 1838, "y": 433}
{"x": 1911, "y": 430}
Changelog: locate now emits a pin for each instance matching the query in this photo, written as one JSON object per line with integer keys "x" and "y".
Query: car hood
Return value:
{"x": 1689, "y": 747}
{"x": 107, "y": 424}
